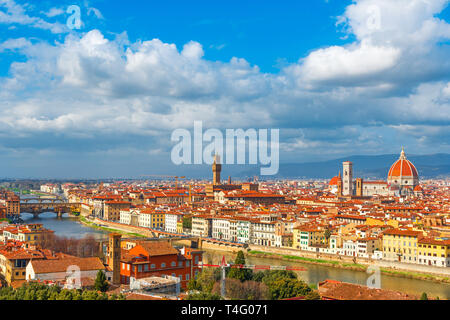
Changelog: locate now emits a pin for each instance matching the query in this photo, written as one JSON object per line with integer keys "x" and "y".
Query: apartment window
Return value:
{"x": 187, "y": 276}
{"x": 152, "y": 266}
{"x": 173, "y": 264}
{"x": 187, "y": 263}
{"x": 163, "y": 265}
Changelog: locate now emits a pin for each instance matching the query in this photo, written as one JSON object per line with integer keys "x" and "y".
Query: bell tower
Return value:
{"x": 216, "y": 168}
{"x": 339, "y": 186}
{"x": 359, "y": 187}
{"x": 114, "y": 252}
{"x": 347, "y": 181}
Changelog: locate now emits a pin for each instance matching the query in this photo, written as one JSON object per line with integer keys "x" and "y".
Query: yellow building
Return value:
{"x": 377, "y": 222}
{"x": 13, "y": 264}
{"x": 348, "y": 228}
{"x": 308, "y": 236}
{"x": 32, "y": 234}
{"x": 401, "y": 245}
{"x": 434, "y": 252}
{"x": 151, "y": 219}
{"x": 374, "y": 222}
{"x": 180, "y": 226}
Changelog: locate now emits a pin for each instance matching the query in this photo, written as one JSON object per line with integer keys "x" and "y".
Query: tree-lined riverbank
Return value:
{"x": 324, "y": 262}
{"x": 317, "y": 269}
{"x": 350, "y": 266}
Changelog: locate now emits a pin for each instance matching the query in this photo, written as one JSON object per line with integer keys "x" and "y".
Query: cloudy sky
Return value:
{"x": 338, "y": 78}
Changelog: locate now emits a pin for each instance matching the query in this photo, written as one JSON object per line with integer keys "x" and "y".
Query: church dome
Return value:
{"x": 402, "y": 169}
{"x": 335, "y": 180}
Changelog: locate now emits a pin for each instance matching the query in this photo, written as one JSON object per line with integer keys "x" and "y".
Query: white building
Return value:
{"x": 221, "y": 228}
{"x": 60, "y": 270}
{"x": 263, "y": 233}
{"x": 50, "y": 188}
{"x": 243, "y": 231}
{"x": 125, "y": 216}
{"x": 349, "y": 248}
{"x": 171, "y": 221}
{"x": 201, "y": 226}
{"x": 145, "y": 220}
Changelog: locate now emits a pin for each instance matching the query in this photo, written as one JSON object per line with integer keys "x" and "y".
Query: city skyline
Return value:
{"x": 336, "y": 78}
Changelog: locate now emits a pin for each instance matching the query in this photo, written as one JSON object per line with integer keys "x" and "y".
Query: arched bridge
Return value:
{"x": 36, "y": 206}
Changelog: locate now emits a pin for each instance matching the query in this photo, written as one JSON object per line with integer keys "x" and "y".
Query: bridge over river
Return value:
{"x": 36, "y": 206}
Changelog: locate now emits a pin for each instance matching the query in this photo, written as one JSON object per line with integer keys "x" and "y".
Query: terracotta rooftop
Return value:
{"x": 61, "y": 265}
{"x": 336, "y": 290}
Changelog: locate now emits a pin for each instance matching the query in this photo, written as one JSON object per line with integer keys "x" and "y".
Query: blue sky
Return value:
{"x": 269, "y": 34}
{"x": 336, "y": 77}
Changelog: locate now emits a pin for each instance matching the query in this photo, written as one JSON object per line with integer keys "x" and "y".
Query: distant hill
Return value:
{"x": 429, "y": 166}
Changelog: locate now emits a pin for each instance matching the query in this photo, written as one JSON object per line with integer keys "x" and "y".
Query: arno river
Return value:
{"x": 70, "y": 227}
{"x": 67, "y": 226}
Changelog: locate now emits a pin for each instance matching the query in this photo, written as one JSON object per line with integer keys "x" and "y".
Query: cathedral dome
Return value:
{"x": 403, "y": 172}
{"x": 335, "y": 180}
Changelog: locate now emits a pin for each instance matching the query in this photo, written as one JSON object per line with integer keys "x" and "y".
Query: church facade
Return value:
{"x": 402, "y": 180}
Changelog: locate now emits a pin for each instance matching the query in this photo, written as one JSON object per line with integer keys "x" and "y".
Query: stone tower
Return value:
{"x": 114, "y": 256}
{"x": 359, "y": 187}
{"x": 347, "y": 180}
{"x": 339, "y": 186}
{"x": 216, "y": 168}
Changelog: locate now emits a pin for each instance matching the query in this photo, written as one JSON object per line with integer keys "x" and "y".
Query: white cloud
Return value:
{"x": 358, "y": 95}
{"x": 53, "y": 12}
{"x": 394, "y": 39}
{"x": 408, "y": 23}
{"x": 16, "y": 14}
{"x": 446, "y": 91}
{"x": 345, "y": 62}
{"x": 13, "y": 44}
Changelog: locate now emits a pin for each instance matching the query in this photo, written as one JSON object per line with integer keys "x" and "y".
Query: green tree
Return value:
{"x": 283, "y": 284}
{"x": 38, "y": 291}
{"x": 89, "y": 295}
{"x": 312, "y": 295}
{"x": 100, "y": 282}
{"x": 77, "y": 295}
{"x": 187, "y": 222}
{"x": 424, "y": 296}
{"x": 203, "y": 296}
{"x": 238, "y": 273}
{"x": 205, "y": 280}
{"x": 65, "y": 295}
{"x": 102, "y": 296}
{"x": 247, "y": 290}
